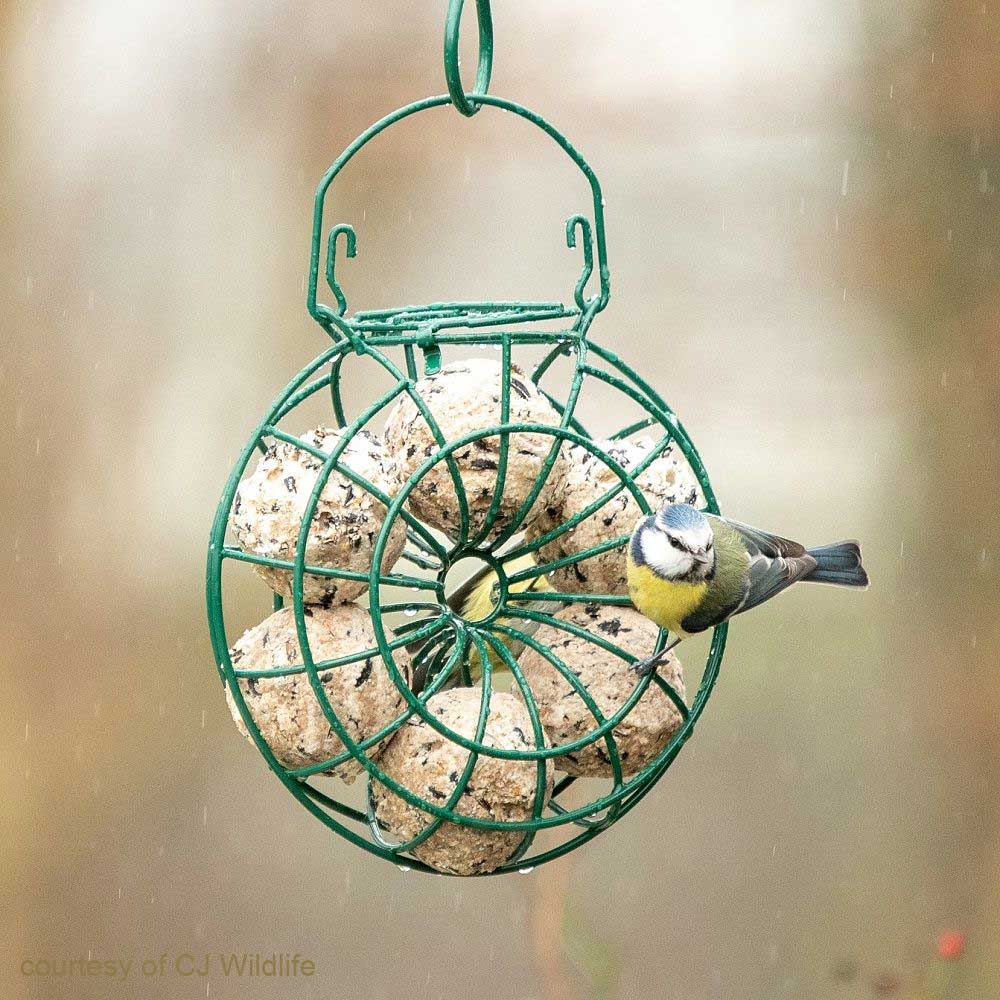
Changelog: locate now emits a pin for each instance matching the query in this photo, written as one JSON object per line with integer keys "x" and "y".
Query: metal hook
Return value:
{"x": 452, "y": 72}
{"x": 347, "y": 230}
{"x": 583, "y": 223}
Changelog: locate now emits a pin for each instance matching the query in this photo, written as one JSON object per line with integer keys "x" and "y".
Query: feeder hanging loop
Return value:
{"x": 452, "y": 70}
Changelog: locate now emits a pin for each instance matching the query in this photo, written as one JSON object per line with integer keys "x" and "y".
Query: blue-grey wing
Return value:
{"x": 763, "y": 543}
{"x": 710, "y": 615}
{"x": 770, "y": 576}
{"x": 775, "y": 563}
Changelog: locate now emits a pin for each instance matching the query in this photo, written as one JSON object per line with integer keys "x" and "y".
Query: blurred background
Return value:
{"x": 803, "y": 239}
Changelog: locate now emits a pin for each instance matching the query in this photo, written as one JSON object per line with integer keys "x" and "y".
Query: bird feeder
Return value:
{"x": 408, "y": 606}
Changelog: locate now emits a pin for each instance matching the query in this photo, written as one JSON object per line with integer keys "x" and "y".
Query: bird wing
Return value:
{"x": 763, "y": 543}
{"x": 771, "y": 576}
{"x": 775, "y": 564}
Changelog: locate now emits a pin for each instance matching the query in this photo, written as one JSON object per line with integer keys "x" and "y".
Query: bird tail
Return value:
{"x": 839, "y": 564}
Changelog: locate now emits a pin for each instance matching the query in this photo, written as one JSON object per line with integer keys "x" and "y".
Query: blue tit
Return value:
{"x": 689, "y": 571}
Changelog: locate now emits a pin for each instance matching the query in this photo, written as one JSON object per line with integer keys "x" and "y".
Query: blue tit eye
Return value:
{"x": 673, "y": 541}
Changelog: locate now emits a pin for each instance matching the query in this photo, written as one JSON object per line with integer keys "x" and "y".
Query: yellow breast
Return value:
{"x": 665, "y": 603}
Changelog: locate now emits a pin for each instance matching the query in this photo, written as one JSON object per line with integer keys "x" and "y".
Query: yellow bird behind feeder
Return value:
{"x": 474, "y": 600}
{"x": 477, "y": 597}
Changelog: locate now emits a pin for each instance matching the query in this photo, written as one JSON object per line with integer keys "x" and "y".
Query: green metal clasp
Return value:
{"x": 347, "y": 231}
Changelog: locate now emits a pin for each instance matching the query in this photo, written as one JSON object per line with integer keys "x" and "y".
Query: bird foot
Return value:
{"x": 647, "y": 666}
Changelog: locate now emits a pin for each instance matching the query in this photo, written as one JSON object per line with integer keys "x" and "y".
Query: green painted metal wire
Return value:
{"x": 438, "y": 638}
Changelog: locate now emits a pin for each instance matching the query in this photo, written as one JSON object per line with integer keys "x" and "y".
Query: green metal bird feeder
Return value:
{"x": 401, "y": 341}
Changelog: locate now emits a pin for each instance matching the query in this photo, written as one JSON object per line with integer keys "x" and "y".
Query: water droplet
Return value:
{"x": 404, "y": 868}
{"x": 410, "y": 612}
{"x": 526, "y": 871}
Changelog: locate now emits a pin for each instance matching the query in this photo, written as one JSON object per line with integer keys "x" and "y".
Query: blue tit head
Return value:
{"x": 677, "y": 543}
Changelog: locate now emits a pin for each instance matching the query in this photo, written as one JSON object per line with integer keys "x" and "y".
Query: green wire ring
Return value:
{"x": 624, "y": 794}
{"x": 446, "y": 640}
{"x": 452, "y": 70}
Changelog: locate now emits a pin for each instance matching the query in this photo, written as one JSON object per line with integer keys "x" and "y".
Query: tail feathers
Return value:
{"x": 838, "y": 564}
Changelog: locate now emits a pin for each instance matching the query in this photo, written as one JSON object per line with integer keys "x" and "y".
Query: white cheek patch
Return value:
{"x": 662, "y": 556}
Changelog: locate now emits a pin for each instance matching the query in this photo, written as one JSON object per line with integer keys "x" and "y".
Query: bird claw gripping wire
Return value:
{"x": 647, "y": 666}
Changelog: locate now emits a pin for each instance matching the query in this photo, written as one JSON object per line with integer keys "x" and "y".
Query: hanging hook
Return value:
{"x": 331, "y": 260}
{"x": 583, "y": 223}
{"x": 452, "y": 71}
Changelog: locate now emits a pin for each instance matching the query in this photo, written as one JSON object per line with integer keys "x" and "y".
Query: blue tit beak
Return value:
{"x": 702, "y": 555}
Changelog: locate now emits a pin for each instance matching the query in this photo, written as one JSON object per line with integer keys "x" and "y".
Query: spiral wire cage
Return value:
{"x": 443, "y": 641}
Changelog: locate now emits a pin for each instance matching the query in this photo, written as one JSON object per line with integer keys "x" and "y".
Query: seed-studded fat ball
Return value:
{"x": 285, "y": 709}
{"x": 584, "y": 478}
{"x": 465, "y": 397}
{"x": 430, "y": 765}
{"x": 270, "y": 503}
{"x": 609, "y": 680}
